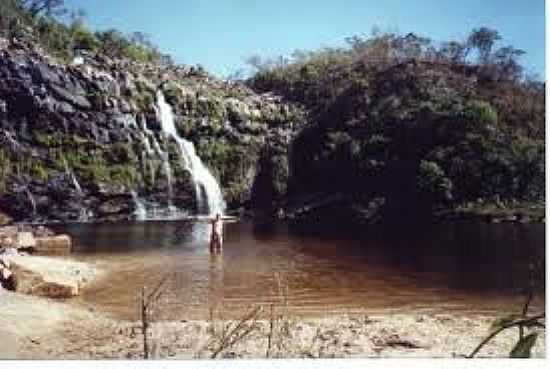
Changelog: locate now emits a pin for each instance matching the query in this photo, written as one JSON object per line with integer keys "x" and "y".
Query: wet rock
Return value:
{"x": 37, "y": 231}
{"x": 111, "y": 189}
{"x": 115, "y": 206}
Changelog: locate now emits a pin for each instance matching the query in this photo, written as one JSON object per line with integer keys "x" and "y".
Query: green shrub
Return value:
{"x": 125, "y": 175}
{"x": 12, "y": 18}
{"x": 83, "y": 38}
{"x": 431, "y": 181}
{"x": 172, "y": 93}
{"x": 481, "y": 112}
{"x": 121, "y": 153}
{"x": 55, "y": 36}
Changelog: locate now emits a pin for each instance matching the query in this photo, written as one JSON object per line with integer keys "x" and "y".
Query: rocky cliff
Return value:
{"x": 83, "y": 141}
{"x": 330, "y": 137}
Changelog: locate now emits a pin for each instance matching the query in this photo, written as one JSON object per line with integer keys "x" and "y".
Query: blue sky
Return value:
{"x": 220, "y": 34}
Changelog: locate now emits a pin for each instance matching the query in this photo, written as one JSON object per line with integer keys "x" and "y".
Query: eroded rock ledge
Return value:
{"x": 27, "y": 265}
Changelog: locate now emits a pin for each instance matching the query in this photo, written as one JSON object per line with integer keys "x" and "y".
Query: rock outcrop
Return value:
{"x": 47, "y": 277}
{"x": 21, "y": 270}
{"x": 79, "y": 140}
{"x": 54, "y": 245}
{"x": 34, "y": 240}
{"x": 7, "y": 277}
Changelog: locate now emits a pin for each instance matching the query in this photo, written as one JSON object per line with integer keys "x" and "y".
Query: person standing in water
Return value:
{"x": 216, "y": 237}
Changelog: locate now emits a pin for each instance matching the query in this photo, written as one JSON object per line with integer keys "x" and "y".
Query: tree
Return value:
{"x": 46, "y": 7}
{"x": 411, "y": 46}
{"x": 256, "y": 62}
{"x": 506, "y": 58}
{"x": 113, "y": 42}
{"x": 483, "y": 39}
{"x": 82, "y": 37}
{"x": 11, "y": 14}
{"x": 454, "y": 52}
{"x": 142, "y": 39}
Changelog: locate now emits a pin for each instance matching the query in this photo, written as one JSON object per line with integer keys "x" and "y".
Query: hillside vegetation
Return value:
{"x": 64, "y": 34}
{"x": 404, "y": 126}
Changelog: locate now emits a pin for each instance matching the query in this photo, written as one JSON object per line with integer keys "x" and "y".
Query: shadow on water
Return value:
{"x": 470, "y": 255}
{"x": 462, "y": 266}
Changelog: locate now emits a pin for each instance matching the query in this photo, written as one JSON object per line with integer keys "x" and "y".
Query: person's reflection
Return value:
{"x": 215, "y": 279}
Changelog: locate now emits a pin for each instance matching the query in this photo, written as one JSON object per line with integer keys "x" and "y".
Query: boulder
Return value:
{"x": 4, "y": 219}
{"x": 77, "y": 100}
{"x": 6, "y": 241}
{"x": 4, "y": 262}
{"x": 25, "y": 240}
{"x": 115, "y": 206}
{"x": 8, "y": 279}
{"x": 56, "y": 290}
{"x": 5, "y": 273}
{"x": 9, "y": 251}
{"x": 46, "y": 277}
{"x": 42, "y": 231}
{"x": 54, "y": 245}
{"x": 8, "y": 231}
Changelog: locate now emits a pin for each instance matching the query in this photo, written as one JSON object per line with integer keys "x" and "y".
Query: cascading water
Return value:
{"x": 207, "y": 191}
{"x": 141, "y": 210}
{"x": 83, "y": 215}
{"x": 76, "y": 185}
{"x": 31, "y": 200}
{"x": 151, "y": 210}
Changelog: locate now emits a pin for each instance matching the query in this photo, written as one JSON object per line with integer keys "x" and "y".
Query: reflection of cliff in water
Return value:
{"x": 470, "y": 254}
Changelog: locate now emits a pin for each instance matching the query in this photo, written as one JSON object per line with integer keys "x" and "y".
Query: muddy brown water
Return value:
{"x": 467, "y": 268}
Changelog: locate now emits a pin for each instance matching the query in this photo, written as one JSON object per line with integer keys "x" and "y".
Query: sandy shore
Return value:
{"x": 40, "y": 328}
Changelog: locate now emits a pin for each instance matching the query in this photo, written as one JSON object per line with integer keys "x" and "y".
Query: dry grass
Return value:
{"x": 226, "y": 334}
{"x": 149, "y": 309}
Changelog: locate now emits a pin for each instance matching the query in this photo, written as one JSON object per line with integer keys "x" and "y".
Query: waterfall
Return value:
{"x": 163, "y": 155}
{"x": 167, "y": 169}
{"x": 141, "y": 211}
{"x": 144, "y": 135}
{"x": 83, "y": 215}
{"x": 76, "y": 185}
{"x": 146, "y": 143}
{"x": 31, "y": 200}
{"x": 207, "y": 191}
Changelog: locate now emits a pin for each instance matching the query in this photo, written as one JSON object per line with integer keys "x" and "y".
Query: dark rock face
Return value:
{"x": 79, "y": 142}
